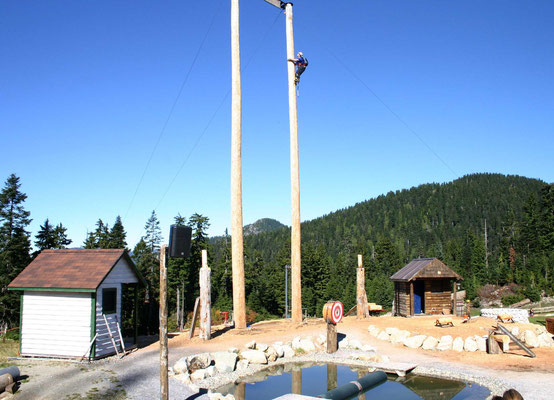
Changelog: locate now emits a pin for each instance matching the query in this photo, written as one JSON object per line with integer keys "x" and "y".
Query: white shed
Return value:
{"x": 71, "y": 296}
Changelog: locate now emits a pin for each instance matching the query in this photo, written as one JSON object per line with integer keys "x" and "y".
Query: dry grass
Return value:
{"x": 8, "y": 348}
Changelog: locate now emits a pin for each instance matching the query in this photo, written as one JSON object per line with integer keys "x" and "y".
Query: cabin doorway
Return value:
{"x": 419, "y": 297}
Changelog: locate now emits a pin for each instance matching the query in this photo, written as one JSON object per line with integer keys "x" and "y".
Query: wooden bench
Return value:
{"x": 374, "y": 308}
{"x": 505, "y": 318}
{"x": 444, "y": 322}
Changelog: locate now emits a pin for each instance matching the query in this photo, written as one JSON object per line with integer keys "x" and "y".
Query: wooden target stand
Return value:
{"x": 332, "y": 314}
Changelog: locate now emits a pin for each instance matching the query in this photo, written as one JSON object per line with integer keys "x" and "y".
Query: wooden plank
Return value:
{"x": 194, "y": 317}
{"x": 110, "y": 333}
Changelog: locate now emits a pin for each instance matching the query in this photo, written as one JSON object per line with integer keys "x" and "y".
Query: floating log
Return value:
{"x": 361, "y": 385}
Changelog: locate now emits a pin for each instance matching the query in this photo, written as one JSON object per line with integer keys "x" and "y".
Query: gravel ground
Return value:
{"x": 136, "y": 376}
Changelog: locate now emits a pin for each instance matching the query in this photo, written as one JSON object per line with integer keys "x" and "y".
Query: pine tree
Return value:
{"x": 153, "y": 236}
{"x": 60, "y": 232}
{"x": 46, "y": 236}
{"x": 14, "y": 245}
{"x": 117, "y": 235}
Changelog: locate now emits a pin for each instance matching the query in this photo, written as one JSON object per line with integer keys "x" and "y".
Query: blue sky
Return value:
{"x": 86, "y": 87}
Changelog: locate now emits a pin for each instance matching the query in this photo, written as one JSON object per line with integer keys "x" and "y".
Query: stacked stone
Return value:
{"x": 539, "y": 337}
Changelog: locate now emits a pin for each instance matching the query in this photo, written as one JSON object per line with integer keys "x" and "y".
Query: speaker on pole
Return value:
{"x": 179, "y": 241}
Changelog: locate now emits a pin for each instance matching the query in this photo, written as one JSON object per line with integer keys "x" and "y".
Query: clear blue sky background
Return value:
{"x": 86, "y": 87}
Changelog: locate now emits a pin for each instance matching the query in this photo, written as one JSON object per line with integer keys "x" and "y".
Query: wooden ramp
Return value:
{"x": 398, "y": 368}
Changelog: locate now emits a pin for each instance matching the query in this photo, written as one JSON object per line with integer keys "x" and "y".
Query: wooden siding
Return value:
{"x": 55, "y": 323}
{"x": 437, "y": 295}
{"x": 120, "y": 274}
{"x": 402, "y": 299}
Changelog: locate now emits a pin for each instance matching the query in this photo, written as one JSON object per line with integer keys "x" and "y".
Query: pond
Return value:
{"x": 314, "y": 380}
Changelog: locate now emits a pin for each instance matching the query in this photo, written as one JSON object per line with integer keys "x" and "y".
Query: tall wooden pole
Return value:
{"x": 205, "y": 299}
{"x": 239, "y": 308}
{"x": 296, "y": 285}
{"x": 164, "y": 384}
{"x": 361, "y": 297}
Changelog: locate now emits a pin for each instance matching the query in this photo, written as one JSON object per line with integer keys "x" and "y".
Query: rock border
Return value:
{"x": 305, "y": 350}
{"x": 539, "y": 338}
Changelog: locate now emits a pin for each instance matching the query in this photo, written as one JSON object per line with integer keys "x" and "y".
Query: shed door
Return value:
{"x": 55, "y": 323}
{"x": 419, "y": 293}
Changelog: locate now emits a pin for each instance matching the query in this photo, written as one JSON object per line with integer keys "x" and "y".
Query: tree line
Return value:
{"x": 490, "y": 228}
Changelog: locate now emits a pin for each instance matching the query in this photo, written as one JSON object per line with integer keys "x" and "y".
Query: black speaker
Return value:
{"x": 179, "y": 241}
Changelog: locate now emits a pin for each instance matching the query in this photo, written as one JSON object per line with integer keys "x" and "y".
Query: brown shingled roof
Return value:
{"x": 424, "y": 268}
{"x": 69, "y": 269}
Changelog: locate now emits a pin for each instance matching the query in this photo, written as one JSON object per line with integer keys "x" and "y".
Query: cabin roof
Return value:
{"x": 424, "y": 268}
{"x": 71, "y": 269}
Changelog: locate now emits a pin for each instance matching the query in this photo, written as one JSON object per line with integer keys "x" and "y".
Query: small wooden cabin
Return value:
{"x": 70, "y": 298}
{"x": 424, "y": 286}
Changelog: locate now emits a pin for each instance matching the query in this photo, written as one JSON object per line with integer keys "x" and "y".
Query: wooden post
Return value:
{"x": 332, "y": 343}
{"x": 412, "y": 298}
{"x": 205, "y": 299}
{"x": 331, "y": 376}
{"x": 178, "y": 305}
{"x": 240, "y": 391}
{"x": 361, "y": 296}
{"x": 164, "y": 384}
{"x": 455, "y": 302}
{"x": 296, "y": 380}
{"x": 239, "y": 306}
{"x": 296, "y": 285}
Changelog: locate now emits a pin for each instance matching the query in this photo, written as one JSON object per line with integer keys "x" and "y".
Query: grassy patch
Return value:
{"x": 8, "y": 348}
{"x": 475, "y": 312}
{"x": 538, "y": 320}
{"x": 96, "y": 394}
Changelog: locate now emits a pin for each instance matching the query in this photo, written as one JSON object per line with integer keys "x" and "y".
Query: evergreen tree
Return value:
{"x": 46, "y": 237}
{"x": 117, "y": 235}
{"x": 153, "y": 236}
{"x": 14, "y": 245}
{"x": 60, "y": 233}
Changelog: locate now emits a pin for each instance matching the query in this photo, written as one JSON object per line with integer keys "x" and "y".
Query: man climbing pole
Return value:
{"x": 301, "y": 63}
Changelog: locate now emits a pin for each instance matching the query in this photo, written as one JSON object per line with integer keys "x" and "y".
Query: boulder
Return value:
{"x": 470, "y": 344}
{"x": 414, "y": 342}
{"x": 367, "y": 348}
{"x": 271, "y": 354}
{"x": 198, "y": 375}
{"x": 383, "y": 336}
{"x": 181, "y": 366}
{"x": 233, "y": 350}
{"x": 321, "y": 340}
{"x": 261, "y": 346}
{"x": 242, "y": 365}
{"x": 399, "y": 336}
{"x": 288, "y": 351}
{"x": 184, "y": 378}
{"x": 390, "y": 331}
{"x": 296, "y": 342}
{"x": 545, "y": 340}
{"x": 530, "y": 338}
{"x": 199, "y": 361}
{"x": 254, "y": 356}
{"x": 430, "y": 343}
{"x": 458, "y": 344}
{"x": 481, "y": 343}
{"x": 225, "y": 361}
{"x": 355, "y": 344}
{"x": 279, "y": 350}
{"x": 515, "y": 331}
{"x": 373, "y": 330}
{"x": 306, "y": 345}
{"x": 210, "y": 371}
{"x": 251, "y": 345}
{"x": 445, "y": 343}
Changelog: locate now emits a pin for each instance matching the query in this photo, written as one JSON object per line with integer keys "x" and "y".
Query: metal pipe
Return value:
{"x": 356, "y": 387}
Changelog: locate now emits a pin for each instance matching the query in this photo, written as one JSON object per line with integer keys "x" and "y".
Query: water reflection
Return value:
{"x": 313, "y": 380}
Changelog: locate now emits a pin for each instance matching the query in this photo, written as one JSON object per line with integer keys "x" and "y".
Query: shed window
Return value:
{"x": 109, "y": 301}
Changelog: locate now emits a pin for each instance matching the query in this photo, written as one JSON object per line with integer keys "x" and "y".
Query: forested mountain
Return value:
{"x": 451, "y": 221}
{"x": 262, "y": 225}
